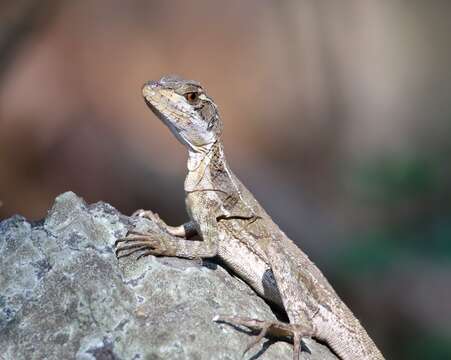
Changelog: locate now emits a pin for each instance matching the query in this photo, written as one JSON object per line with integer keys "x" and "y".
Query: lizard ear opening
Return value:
{"x": 215, "y": 125}
{"x": 212, "y": 123}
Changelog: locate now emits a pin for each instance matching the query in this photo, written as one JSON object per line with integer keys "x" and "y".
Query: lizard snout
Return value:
{"x": 151, "y": 84}
{"x": 150, "y": 89}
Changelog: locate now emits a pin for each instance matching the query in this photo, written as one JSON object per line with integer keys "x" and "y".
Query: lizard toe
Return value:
{"x": 276, "y": 329}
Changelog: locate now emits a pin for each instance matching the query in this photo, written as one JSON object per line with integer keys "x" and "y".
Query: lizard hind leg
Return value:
{"x": 271, "y": 328}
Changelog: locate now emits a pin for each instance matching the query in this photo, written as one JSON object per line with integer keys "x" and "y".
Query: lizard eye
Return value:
{"x": 192, "y": 97}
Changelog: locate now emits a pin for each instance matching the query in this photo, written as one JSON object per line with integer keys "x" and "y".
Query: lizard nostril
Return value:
{"x": 149, "y": 88}
{"x": 150, "y": 84}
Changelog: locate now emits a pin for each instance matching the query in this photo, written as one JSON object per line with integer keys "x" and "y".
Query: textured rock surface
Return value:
{"x": 64, "y": 295}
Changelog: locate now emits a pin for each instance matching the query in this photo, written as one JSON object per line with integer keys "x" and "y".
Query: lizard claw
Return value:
{"x": 257, "y": 339}
{"x": 271, "y": 328}
{"x": 136, "y": 242}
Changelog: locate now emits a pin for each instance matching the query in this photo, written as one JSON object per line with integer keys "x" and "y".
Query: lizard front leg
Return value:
{"x": 186, "y": 230}
{"x": 162, "y": 244}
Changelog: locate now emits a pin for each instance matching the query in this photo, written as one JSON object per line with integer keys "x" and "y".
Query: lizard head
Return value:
{"x": 186, "y": 109}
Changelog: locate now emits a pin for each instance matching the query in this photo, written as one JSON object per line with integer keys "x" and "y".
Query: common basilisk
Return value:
{"x": 233, "y": 226}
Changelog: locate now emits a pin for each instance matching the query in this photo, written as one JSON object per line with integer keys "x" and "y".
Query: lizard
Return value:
{"x": 234, "y": 226}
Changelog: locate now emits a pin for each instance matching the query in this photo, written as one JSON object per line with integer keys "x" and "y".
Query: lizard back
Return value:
{"x": 255, "y": 248}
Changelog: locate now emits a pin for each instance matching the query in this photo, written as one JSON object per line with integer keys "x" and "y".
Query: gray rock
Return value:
{"x": 64, "y": 295}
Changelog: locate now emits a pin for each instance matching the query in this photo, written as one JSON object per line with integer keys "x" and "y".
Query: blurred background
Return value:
{"x": 337, "y": 117}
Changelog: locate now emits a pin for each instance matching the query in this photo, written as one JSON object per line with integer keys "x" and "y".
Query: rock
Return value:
{"x": 64, "y": 295}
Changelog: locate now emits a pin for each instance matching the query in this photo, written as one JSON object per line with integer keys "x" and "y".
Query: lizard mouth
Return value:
{"x": 170, "y": 124}
{"x": 151, "y": 107}
{"x": 155, "y": 110}
{"x": 160, "y": 115}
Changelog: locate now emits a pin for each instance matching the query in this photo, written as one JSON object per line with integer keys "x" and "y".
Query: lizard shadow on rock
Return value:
{"x": 213, "y": 263}
{"x": 265, "y": 346}
{"x": 268, "y": 342}
{"x": 278, "y": 311}
{"x": 272, "y": 340}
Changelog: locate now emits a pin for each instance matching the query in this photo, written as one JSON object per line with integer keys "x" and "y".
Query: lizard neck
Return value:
{"x": 203, "y": 165}
{"x": 210, "y": 172}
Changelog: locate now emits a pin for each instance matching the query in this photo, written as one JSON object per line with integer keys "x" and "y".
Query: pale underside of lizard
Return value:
{"x": 233, "y": 226}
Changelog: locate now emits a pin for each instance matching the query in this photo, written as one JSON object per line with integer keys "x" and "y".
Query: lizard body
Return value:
{"x": 236, "y": 228}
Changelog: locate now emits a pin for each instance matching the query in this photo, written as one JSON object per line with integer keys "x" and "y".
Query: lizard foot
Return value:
{"x": 136, "y": 242}
{"x": 272, "y": 328}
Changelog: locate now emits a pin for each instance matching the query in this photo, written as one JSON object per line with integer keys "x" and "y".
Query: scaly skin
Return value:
{"x": 235, "y": 227}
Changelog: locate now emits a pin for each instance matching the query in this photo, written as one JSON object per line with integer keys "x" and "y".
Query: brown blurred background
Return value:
{"x": 337, "y": 117}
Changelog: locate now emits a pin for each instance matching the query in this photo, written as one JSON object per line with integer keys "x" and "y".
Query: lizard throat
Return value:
{"x": 197, "y": 159}
{"x": 198, "y": 163}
